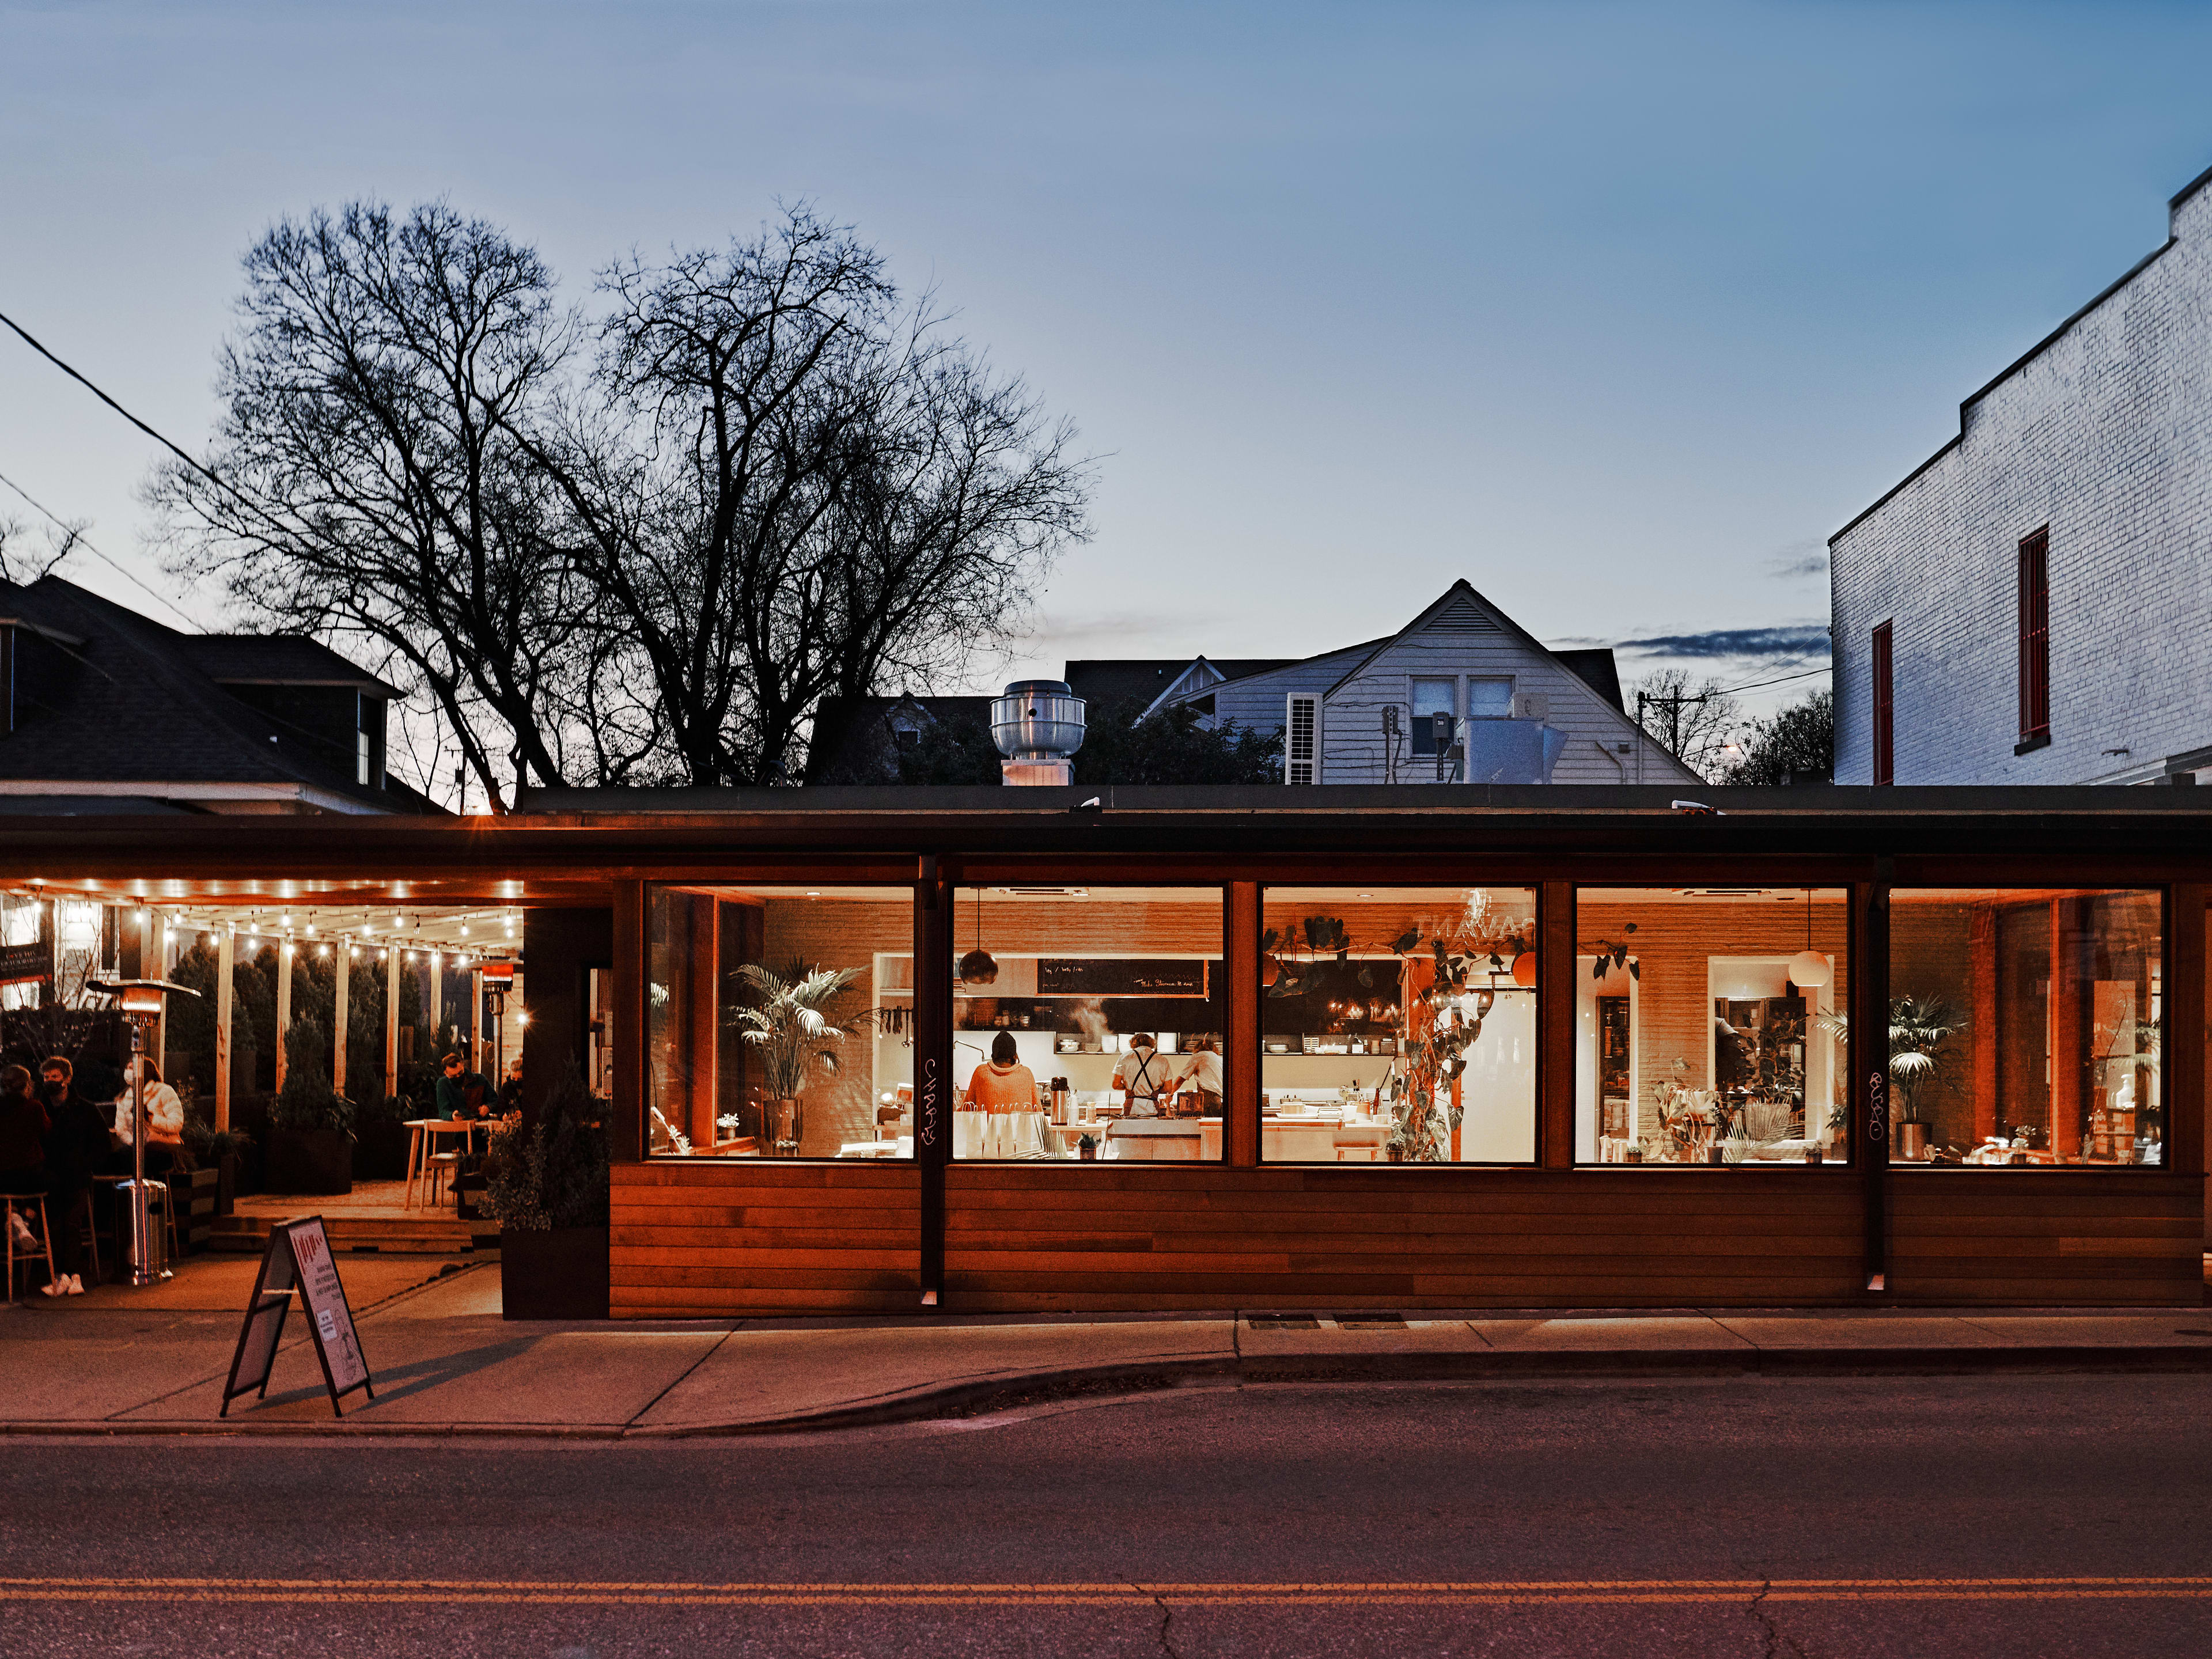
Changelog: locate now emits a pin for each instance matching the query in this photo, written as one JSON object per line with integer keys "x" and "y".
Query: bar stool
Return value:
{"x": 15, "y": 1204}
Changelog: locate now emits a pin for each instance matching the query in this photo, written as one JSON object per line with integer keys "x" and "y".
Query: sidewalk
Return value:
{"x": 117, "y": 1361}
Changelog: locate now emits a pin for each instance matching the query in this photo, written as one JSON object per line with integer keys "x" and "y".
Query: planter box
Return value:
{"x": 315, "y": 1162}
{"x": 379, "y": 1150}
{"x": 559, "y": 1273}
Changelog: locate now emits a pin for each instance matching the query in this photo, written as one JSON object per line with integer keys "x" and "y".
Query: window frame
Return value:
{"x": 2032, "y": 580}
{"x": 1884, "y": 704}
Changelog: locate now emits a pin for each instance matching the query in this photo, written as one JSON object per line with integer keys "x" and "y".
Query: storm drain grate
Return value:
{"x": 1283, "y": 1322}
{"x": 1370, "y": 1321}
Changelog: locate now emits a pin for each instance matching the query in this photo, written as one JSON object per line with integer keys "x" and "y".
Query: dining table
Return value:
{"x": 423, "y": 1134}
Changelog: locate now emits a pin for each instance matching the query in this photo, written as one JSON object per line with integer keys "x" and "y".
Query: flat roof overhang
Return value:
{"x": 568, "y": 845}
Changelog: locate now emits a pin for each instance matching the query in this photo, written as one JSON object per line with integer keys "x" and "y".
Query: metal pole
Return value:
{"x": 148, "y": 1265}
{"x": 392, "y": 1019}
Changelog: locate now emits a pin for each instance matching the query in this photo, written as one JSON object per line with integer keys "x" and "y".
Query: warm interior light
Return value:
{"x": 522, "y": 1019}
{"x": 1524, "y": 970}
{"x": 1810, "y": 969}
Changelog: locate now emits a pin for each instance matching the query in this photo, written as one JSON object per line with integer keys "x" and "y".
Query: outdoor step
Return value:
{"x": 409, "y": 1235}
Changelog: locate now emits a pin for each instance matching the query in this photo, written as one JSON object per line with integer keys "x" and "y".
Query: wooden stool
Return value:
{"x": 11, "y": 1206}
{"x": 1355, "y": 1151}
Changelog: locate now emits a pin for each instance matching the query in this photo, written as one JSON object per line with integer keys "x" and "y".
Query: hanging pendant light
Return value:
{"x": 1809, "y": 970}
{"x": 977, "y": 966}
{"x": 1524, "y": 970}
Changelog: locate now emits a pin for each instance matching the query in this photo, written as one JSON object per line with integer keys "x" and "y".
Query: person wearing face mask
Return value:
{"x": 77, "y": 1141}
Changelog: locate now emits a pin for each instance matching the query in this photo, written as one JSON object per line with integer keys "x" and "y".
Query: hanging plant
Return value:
{"x": 1614, "y": 953}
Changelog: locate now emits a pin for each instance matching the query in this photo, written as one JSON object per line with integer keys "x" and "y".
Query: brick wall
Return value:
{"x": 2105, "y": 435}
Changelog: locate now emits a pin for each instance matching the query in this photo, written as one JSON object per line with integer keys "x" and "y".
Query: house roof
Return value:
{"x": 1104, "y": 679}
{"x": 136, "y": 706}
{"x": 277, "y": 659}
{"x": 851, "y": 733}
{"x": 1594, "y": 668}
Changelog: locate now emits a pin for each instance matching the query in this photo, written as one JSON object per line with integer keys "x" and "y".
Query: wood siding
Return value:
{"x": 698, "y": 1240}
{"x": 1039, "y": 1238}
{"x": 2045, "y": 1237}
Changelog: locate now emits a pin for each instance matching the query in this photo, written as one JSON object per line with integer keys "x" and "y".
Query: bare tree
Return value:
{"x": 777, "y": 481}
{"x": 1797, "y": 742}
{"x": 24, "y": 562}
{"x": 790, "y": 486}
{"x": 1690, "y": 722}
{"x": 370, "y": 480}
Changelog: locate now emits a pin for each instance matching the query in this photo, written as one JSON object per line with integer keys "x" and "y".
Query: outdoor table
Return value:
{"x": 423, "y": 1133}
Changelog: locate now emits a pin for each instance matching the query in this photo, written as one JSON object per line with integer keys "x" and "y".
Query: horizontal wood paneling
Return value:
{"x": 722, "y": 1237}
{"x": 2030, "y": 1237}
{"x": 1033, "y": 1237}
{"x": 729, "y": 1236}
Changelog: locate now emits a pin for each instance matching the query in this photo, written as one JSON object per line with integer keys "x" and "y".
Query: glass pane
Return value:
{"x": 1430, "y": 698}
{"x": 780, "y": 1022}
{"x": 1709, "y": 1025}
{"x": 2024, "y": 1027}
{"x": 1490, "y": 698}
{"x": 1087, "y": 1024}
{"x": 1398, "y": 1024}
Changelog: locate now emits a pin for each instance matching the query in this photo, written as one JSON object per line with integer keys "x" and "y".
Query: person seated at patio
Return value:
{"x": 77, "y": 1141}
{"x": 23, "y": 1160}
{"x": 462, "y": 1093}
{"x": 165, "y": 1123}
{"x": 510, "y": 1087}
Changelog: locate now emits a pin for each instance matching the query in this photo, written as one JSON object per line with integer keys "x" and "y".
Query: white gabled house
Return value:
{"x": 1462, "y": 693}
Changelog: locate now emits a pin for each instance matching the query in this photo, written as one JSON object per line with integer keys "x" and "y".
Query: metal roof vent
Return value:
{"x": 1037, "y": 724}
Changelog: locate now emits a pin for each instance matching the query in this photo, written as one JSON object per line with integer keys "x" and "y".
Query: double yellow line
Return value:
{"x": 1498, "y": 1593}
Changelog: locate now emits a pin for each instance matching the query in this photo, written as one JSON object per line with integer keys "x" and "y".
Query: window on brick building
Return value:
{"x": 1885, "y": 732}
{"x": 2035, "y": 641}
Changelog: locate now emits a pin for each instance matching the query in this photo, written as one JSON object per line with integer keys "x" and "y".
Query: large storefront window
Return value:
{"x": 1710, "y": 1026}
{"x": 1088, "y": 1023}
{"x": 2024, "y": 1028}
{"x": 780, "y": 1022}
{"x": 1398, "y": 1024}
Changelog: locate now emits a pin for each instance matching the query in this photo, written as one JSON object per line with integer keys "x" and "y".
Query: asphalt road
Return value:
{"x": 1927, "y": 1516}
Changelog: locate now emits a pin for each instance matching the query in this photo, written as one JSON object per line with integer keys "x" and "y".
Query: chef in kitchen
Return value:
{"x": 1141, "y": 1077}
{"x": 1204, "y": 1075}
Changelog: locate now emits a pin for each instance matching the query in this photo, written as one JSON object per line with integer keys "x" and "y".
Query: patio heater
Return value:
{"x": 139, "y": 1001}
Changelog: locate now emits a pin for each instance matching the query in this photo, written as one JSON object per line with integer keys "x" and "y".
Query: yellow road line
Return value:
{"x": 1541, "y": 1592}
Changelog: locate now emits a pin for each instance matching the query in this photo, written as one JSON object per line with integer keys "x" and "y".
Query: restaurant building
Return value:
{"x": 1432, "y": 1047}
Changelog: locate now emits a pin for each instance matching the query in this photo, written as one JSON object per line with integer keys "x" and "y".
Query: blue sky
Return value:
{"x": 1616, "y": 311}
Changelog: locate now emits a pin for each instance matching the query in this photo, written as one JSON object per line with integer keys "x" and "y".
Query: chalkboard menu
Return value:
{"x": 1104, "y": 976}
{"x": 298, "y": 1261}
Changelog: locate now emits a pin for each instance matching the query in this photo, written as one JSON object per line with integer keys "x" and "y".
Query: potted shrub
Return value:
{"x": 310, "y": 1146}
{"x": 545, "y": 1183}
{"x": 380, "y": 1146}
{"x": 221, "y": 1151}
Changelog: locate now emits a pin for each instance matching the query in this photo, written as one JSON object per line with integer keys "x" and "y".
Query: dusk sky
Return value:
{"x": 1617, "y": 312}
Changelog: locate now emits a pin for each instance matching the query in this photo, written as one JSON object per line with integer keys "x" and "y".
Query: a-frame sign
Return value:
{"x": 297, "y": 1259}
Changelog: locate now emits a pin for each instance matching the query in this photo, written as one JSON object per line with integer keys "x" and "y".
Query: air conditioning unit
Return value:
{"x": 1532, "y": 706}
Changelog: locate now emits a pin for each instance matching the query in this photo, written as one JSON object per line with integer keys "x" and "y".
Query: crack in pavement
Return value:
{"x": 1775, "y": 1638}
{"x": 1167, "y": 1618}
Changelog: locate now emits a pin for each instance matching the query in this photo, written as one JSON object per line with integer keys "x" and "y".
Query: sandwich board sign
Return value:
{"x": 297, "y": 1259}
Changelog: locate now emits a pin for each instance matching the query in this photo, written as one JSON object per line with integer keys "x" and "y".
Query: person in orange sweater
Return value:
{"x": 1002, "y": 1088}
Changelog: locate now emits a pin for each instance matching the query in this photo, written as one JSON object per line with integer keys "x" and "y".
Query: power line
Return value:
{"x": 28, "y": 340}
{"x": 1757, "y": 685}
{"x": 85, "y": 542}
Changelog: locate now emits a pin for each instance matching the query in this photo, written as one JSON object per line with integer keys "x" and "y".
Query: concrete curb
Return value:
{"x": 1010, "y": 1388}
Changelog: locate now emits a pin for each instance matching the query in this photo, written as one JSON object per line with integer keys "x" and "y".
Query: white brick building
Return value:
{"x": 2041, "y": 588}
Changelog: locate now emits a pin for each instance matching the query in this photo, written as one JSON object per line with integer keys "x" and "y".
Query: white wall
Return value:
{"x": 2106, "y": 436}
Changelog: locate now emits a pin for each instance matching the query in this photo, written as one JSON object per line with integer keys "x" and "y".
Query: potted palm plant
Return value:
{"x": 1920, "y": 1030}
{"x": 787, "y": 1024}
